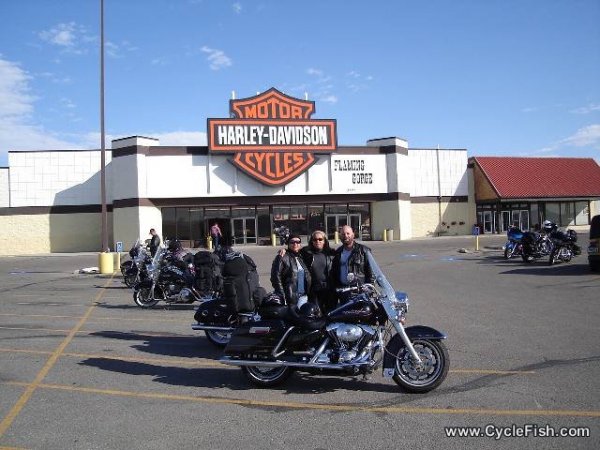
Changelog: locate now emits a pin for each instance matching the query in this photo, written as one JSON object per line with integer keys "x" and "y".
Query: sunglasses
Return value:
{"x": 294, "y": 242}
{"x": 318, "y": 239}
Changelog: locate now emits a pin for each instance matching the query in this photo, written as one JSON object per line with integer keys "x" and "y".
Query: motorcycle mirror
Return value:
{"x": 351, "y": 278}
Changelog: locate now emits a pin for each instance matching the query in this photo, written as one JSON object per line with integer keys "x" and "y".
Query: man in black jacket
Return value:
{"x": 351, "y": 257}
{"x": 154, "y": 242}
{"x": 290, "y": 276}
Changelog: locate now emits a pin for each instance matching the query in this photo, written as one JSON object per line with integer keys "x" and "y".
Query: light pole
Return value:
{"x": 102, "y": 136}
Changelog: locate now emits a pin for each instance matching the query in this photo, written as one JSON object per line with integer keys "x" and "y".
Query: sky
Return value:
{"x": 497, "y": 77}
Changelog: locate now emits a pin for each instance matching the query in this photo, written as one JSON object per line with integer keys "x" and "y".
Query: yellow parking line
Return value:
{"x": 93, "y": 319}
{"x": 324, "y": 407}
{"x": 213, "y": 363}
{"x": 22, "y": 401}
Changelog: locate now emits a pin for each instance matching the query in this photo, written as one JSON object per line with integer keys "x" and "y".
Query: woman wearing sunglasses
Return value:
{"x": 318, "y": 257}
{"x": 290, "y": 276}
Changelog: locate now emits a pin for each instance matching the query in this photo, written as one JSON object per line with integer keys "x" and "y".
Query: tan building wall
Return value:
{"x": 134, "y": 223}
{"x": 51, "y": 233}
{"x": 393, "y": 214}
{"x": 425, "y": 220}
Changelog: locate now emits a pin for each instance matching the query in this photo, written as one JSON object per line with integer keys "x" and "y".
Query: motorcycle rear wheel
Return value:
{"x": 436, "y": 363}
{"x": 142, "y": 298}
{"x": 218, "y": 338}
{"x": 263, "y": 376}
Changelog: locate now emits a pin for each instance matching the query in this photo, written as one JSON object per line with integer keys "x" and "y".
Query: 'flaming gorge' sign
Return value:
{"x": 272, "y": 136}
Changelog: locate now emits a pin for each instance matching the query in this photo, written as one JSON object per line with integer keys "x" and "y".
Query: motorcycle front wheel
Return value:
{"x": 430, "y": 374}
{"x": 142, "y": 297}
{"x": 218, "y": 338}
{"x": 509, "y": 251}
{"x": 263, "y": 376}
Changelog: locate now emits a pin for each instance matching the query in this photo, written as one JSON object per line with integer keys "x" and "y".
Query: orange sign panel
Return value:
{"x": 272, "y": 136}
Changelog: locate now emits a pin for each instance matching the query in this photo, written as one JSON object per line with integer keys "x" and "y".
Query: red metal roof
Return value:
{"x": 541, "y": 177}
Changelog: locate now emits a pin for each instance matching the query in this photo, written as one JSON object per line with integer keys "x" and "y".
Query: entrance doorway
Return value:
{"x": 244, "y": 230}
{"x": 333, "y": 223}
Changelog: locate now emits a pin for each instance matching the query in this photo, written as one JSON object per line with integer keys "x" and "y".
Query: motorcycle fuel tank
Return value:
{"x": 361, "y": 311}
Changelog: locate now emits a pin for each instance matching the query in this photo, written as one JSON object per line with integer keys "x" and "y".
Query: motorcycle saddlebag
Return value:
{"x": 256, "y": 338}
{"x": 214, "y": 312}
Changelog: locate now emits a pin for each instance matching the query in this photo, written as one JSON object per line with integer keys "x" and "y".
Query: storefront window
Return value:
{"x": 316, "y": 219}
{"x": 553, "y": 212}
{"x": 360, "y": 220}
{"x": 567, "y": 216}
{"x": 169, "y": 223}
{"x": 582, "y": 213}
{"x": 183, "y": 224}
{"x": 264, "y": 225}
{"x": 198, "y": 230}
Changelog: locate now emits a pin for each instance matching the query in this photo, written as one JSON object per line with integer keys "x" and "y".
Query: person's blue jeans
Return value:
{"x": 216, "y": 241}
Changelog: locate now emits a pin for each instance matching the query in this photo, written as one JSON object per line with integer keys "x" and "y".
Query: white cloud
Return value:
{"x": 329, "y": 99}
{"x": 217, "y": 58}
{"x": 586, "y": 109}
{"x": 70, "y": 37}
{"x": 586, "y": 136}
{"x": 315, "y": 72}
{"x": 237, "y": 7}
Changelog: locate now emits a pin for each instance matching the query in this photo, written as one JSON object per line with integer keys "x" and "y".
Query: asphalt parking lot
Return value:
{"x": 83, "y": 367}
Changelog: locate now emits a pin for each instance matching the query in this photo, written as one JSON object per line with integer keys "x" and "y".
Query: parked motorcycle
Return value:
{"x": 240, "y": 296}
{"x": 564, "y": 246}
{"x": 514, "y": 246}
{"x": 538, "y": 245}
{"x": 365, "y": 333}
{"x": 167, "y": 281}
{"x": 135, "y": 268}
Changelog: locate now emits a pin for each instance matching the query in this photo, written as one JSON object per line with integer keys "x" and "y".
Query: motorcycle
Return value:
{"x": 538, "y": 245}
{"x": 134, "y": 269}
{"x": 362, "y": 335}
{"x": 564, "y": 246}
{"x": 166, "y": 281}
{"x": 514, "y": 246}
{"x": 235, "y": 304}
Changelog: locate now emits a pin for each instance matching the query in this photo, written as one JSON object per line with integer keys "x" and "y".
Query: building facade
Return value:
{"x": 50, "y": 200}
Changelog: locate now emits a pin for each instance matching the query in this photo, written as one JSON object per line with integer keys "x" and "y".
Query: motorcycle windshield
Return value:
{"x": 380, "y": 279}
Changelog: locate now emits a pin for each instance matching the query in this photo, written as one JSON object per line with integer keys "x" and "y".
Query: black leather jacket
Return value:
{"x": 357, "y": 264}
{"x": 154, "y": 244}
{"x": 308, "y": 255}
{"x": 284, "y": 276}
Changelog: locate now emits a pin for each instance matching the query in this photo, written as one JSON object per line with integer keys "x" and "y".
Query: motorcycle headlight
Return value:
{"x": 400, "y": 302}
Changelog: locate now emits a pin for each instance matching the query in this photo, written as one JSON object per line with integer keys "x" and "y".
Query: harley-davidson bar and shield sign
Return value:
{"x": 272, "y": 136}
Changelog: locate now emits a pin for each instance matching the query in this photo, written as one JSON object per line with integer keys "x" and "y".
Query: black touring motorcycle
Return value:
{"x": 362, "y": 335}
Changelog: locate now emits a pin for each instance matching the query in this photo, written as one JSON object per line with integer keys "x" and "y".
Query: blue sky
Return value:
{"x": 496, "y": 77}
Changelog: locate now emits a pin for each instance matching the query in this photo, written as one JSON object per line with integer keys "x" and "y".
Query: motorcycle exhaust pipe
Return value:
{"x": 200, "y": 327}
{"x": 246, "y": 362}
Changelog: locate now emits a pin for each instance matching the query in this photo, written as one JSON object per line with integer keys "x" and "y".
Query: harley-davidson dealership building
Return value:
{"x": 270, "y": 164}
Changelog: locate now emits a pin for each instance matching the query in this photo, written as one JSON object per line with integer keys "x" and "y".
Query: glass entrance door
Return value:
{"x": 334, "y": 222}
{"x": 244, "y": 230}
{"x": 488, "y": 221}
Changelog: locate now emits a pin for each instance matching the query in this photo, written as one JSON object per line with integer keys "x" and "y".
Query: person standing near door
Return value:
{"x": 215, "y": 234}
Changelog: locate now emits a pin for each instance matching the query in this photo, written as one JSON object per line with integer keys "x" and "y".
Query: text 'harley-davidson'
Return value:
{"x": 362, "y": 335}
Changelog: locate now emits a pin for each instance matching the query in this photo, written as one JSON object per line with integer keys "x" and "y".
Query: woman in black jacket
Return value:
{"x": 290, "y": 276}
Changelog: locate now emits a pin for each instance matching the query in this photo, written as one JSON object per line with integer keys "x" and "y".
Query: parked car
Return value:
{"x": 594, "y": 247}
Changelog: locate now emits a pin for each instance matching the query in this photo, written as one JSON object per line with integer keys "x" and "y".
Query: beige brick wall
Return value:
{"x": 51, "y": 233}
{"x": 425, "y": 219}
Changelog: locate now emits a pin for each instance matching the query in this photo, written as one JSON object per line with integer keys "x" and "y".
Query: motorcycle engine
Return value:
{"x": 343, "y": 332}
{"x": 350, "y": 340}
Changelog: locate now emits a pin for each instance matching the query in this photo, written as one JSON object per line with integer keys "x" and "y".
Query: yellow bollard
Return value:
{"x": 336, "y": 237}
{"x": 385, "y": 235}
{"x": 209, "y": 244}
{"x": 477, "y": 242}
{"x": 273, "y": 239}
{"x": 117, "y": 260}
{"x": 390, "y": 234}
{"x": 105, "y": 263}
